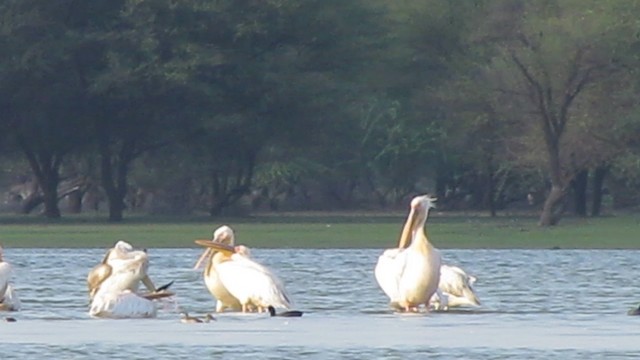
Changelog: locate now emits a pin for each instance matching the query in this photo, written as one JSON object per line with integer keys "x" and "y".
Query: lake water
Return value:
{"x": 537, "y": 304}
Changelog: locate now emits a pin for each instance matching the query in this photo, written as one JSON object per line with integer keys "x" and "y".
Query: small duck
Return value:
{"x": 291, "y": 313}
{"x": 186, "y": 319}
{"x": 10, "y": 319}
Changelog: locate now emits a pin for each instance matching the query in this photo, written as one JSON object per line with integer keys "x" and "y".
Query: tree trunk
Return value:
{"x": 50, "y": 196}
{"x": 115, "y": 187}
{"x": 75, "y": 202}
{"x": 45, "y": 167}
{"x": 113, "y": 174}
{"x": 579, "y": 185}
{"x": 553, "y": 207}
{"x": 598, "y": 180}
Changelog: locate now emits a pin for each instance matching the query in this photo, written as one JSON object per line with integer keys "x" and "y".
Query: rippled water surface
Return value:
{"x": 537, "y": 304}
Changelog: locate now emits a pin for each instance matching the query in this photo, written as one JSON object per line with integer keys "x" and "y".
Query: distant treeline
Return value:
{"x": 223, "y": 105}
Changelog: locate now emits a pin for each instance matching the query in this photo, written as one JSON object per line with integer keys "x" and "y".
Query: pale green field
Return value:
{"x": 324, "y": 231}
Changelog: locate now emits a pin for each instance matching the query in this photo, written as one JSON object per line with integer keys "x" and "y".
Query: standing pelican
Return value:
{"x": 9, "y": 300}
{"x": 410, "y": 274}
{"x": 222, "y": 235}
{"x": 455, "y": 289}
{"x": 115, "y": 296}
{"x": 250, "y": 283}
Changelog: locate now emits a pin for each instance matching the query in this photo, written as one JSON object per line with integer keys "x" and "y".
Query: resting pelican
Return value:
{"x": 410, "y": 274}
{"x": 9, "y": 300}
{"x": 115, "y": 295}
{"x": 455, "y": 289}
{"x": 252, "y": 284}
{"x": 223, "y": 235}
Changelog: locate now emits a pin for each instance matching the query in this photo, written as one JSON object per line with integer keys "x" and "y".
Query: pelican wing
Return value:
{"x": 11, "y": 300}
{"x": 388, "y": 272}
{"x": 123, "y": 305}
{"x": 457, "y": 284}
{"x": 250, "y": 282}
{"x": 96, "y": 276}
{"x": 5, "y": 276}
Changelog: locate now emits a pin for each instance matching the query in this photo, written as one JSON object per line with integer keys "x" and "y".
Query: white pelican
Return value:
{"x": 9, "y": 300}
{"x": 120, "y": 251}
{"x": 455, "y": 289}
{"x": 223, "y": 235}
{"x": 115, "y": 295}
{"x": 252, "y": 284}
{"x": 410, "y": 274}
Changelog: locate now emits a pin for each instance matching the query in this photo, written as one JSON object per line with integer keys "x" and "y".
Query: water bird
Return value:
{"x": 186, "y": 319}
{"x": 409, "y": 274}
{"x": 246, "y": 281}
{"x": 10, "y": 319}
{"x": 115, "y": 289}
{"x": 634, "y": 311}
{"x": 223, "y": 235}
{"x": 9, "y": 300}
{"x": 290, "y": 313}
{"x": 454, "y": 289}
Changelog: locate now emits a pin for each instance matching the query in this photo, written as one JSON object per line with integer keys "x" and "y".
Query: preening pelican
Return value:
{"x": 121, "y": 250}
{"x": 9, "y": 300}
{"x": 455, "y": 289}
{"x": 410, "y": 274}
{"x": 115, "y": 296}
{"x": 250, "y": 283}
{"x": 222, "y": 235}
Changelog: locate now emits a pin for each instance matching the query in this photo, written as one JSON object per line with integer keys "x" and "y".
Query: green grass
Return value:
{"x": 323, "y": 231}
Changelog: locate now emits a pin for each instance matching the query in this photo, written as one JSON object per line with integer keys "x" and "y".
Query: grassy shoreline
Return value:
{"x": 325, "y": 231}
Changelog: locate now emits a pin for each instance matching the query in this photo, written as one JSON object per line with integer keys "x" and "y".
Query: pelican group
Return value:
{"x": 237, "y": 281}
{"x": 113, "y": 285}
{"x": 9, "y": 300}
{"x": 409, "y": 274}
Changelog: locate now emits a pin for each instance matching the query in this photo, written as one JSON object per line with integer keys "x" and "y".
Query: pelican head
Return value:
{"x": 425, "y": 202}
{"x": 223, "y": 240}
{"x": 224, "y": 235}
{"x": 418, "y": 212}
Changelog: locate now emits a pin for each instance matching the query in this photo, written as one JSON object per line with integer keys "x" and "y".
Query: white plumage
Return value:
{"x": 409, "y": 275}
{"x": 455, "y": 289}
{"x": 252, "y": 283}
{"x": 223, "y": 235}
{"x": 237, "y": 281}
{"x": 9, "y": 300}
{"x": 116, "y": 297}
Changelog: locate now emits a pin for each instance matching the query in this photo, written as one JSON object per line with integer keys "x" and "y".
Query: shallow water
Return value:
{"x": 537, "y": 304}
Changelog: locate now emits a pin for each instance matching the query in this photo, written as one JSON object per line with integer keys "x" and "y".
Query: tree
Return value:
{"x": 143, "y": 94}
{"x": 558, "y": 50}
{"x": 289, "y": 69}
{"x": 42, "y": 88}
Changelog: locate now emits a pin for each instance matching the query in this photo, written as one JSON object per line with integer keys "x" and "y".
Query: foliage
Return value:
{"x": 320, "y": 104}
